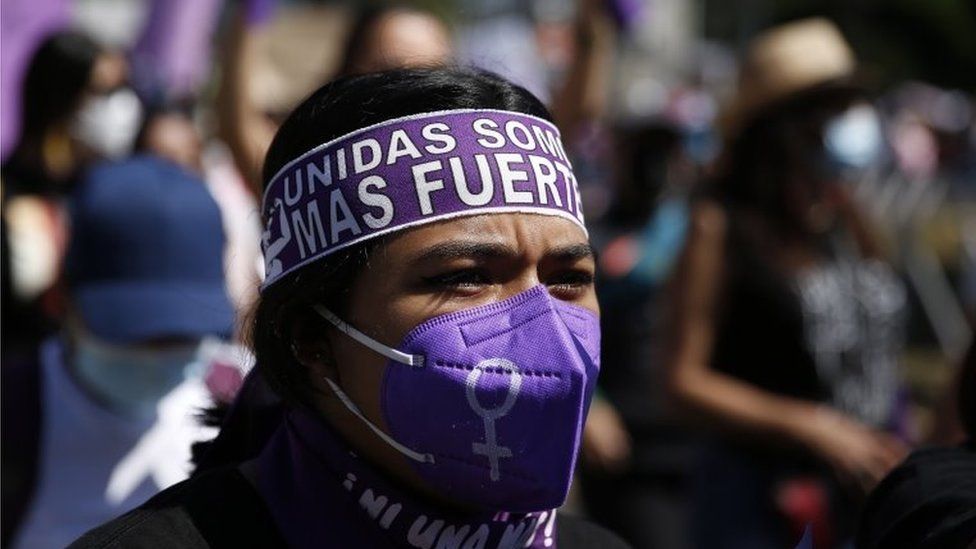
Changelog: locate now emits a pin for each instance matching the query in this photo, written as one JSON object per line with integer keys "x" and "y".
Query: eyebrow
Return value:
{"x": 459, "y": 249}
{"x": 572, "y": 252}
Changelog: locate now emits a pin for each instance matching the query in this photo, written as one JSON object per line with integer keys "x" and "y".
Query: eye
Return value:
{"x": 461, "y": 280}
{"x": 570, "y": 284}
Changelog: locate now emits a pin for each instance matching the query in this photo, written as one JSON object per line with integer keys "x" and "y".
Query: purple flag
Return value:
{"x": 173, "y": 56}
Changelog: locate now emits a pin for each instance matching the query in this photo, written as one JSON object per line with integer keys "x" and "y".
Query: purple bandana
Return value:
{"x": 411, "y": 171}
{"x": 322, "y": 495}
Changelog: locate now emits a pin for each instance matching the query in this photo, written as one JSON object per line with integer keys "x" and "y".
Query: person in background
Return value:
{"x": 634, "y": 460}
{"x": 786, "y": 320}
{"x": 168, "y": 132}
{"x": 581, "y": 100}
{"x": 389, "y": 36}
{"x": 172, "y": 64}
{"x": 104, "y": 415}
{"x": 76, "y": 109}
{"x": 381, "y": 37}
{"x": 635, "y": 470}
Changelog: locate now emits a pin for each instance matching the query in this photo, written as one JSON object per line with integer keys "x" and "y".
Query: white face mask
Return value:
{"x": 108, "y": 124}
{"x": 853, "y": 139}
{"x": 131, "y": 380}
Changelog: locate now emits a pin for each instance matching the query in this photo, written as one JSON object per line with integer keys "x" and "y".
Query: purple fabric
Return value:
{"x": 322, "y": 495}
{"x": 23, "y": 25}
{"x": 410, "y": 171}
{"x": 625, "y": 12}
{"x": 259, "y": 12}
{"x": 500, "y": 400}
{"x": 172, "y": 57}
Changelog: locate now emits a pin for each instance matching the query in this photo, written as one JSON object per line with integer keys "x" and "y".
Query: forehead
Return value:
{"x": 409, "y": 26}
{"x": 525, "y": 232}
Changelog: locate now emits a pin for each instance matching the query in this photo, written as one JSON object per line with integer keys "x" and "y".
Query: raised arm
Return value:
{"x": 583, "y": 94}
{"x": 243, "y": 126}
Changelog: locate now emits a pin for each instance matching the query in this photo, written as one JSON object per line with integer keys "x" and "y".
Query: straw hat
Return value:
{"x": 784, "y": 61}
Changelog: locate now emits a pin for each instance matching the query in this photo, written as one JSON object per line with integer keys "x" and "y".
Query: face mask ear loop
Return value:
{"x": 414, "y": 455}
{"x": 390, "y": 353}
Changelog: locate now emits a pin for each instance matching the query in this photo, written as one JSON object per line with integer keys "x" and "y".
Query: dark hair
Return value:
{"x": 780, "y": 147}
{"x": 644, "y": 154}
{"x": 182, "y": 107}
{"x": 338, "y": 108}
{"x": 56, "y": 80}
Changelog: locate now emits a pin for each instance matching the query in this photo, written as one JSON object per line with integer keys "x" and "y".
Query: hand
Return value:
{"x": 606, "y": 442}
{"x": 860, "y": 456}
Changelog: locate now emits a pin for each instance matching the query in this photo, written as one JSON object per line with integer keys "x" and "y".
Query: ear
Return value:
{"x": 309, "y": 340}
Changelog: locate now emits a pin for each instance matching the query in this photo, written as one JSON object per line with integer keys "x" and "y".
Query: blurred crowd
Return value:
{"x": 786, "y": 255}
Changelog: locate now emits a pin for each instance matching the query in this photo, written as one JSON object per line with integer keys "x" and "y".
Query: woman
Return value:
{"x": 642, "y": 493}
{"x": 76, "y": 109}
{"x": 786, "y": 320}
{"x": 433, "y": 342}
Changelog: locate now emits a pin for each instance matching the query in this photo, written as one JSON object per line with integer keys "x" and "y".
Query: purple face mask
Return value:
{"x": 489, "y": 403}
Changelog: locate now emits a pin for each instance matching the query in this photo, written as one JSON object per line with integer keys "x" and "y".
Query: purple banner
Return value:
{"x": 411, "y": 171}
{"x": 173, "y": 55}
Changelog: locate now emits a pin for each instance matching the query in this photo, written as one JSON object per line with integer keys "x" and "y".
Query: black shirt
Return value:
{"x": 927, "y": 502}
{"x": 220, "y": 508}
{"x": 759, "y": 335}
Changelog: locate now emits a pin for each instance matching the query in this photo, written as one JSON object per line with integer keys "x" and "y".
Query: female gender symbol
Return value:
{"x": 490, "y": 448}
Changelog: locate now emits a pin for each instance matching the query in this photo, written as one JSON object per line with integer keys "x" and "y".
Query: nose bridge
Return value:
{"x": 504, "y": 317}
{"x": 531, "y": 246}
{"x": 528, "y": 278}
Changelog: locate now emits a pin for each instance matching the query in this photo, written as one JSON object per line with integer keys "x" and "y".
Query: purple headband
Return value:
{"x": 410, "y": 171}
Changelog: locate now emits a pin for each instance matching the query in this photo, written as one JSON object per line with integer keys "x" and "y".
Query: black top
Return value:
{"x": 21, "y": 418}
{"x": 26, "y": 178}
{"x": 759, "y": 334}
{"x": 928, "y": 502}
{"x": 23, "y": 322}
{"x": 220, "y": 508}
{"x": 633, "y": 361}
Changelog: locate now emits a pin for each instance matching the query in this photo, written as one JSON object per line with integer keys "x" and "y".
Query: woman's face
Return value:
{"x": 109, "y": 114}
{"x": 111, "y": 71}
{"x": 404, "y": 39}
{"x": 438, "y": 269}
{"x": 172, "y": 136}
